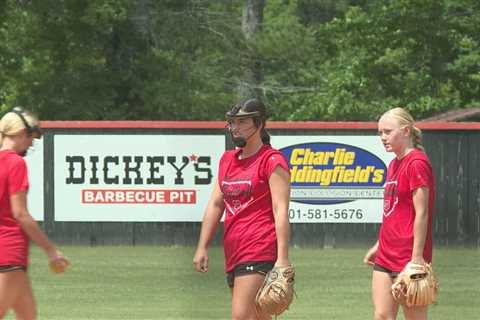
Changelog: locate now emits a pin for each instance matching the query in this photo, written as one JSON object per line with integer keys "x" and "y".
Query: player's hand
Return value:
{"x": 200, "y": 260}
{"x": 370, "y": 256}
{"x": 57, "y": 262}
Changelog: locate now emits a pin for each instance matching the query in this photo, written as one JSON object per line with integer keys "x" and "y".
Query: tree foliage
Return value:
{"x": 187, "y": 59}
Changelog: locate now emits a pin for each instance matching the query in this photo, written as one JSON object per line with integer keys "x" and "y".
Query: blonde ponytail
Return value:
{"x": 417, "y": 138}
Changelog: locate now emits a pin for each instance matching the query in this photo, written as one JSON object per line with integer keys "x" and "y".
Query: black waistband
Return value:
{"x": 8, "y": 268}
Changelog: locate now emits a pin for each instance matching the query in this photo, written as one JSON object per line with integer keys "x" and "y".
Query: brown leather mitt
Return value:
{"x": 276, "y": 293}
{"x": 416, "y": 285}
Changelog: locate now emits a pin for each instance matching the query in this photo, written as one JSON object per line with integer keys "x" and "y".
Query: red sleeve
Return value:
{"x": 275, "y": 159}
{"x": 420, "y": 173}
{"x": 18, "y": 177}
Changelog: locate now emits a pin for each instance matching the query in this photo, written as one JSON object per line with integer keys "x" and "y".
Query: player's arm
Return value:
{"x": 420, "y": 203}
{"x": 279, "y": 182}
{"x": 211, "y": 218}
{"x": 18, "y": 203}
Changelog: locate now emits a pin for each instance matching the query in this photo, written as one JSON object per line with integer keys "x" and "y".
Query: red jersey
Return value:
{"x": 13, "y": 178}
{"x": 249, "y": 227}
{"x": 396, "y": 233}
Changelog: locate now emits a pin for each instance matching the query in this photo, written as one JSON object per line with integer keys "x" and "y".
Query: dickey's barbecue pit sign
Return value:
{"x": 134, "y": 177}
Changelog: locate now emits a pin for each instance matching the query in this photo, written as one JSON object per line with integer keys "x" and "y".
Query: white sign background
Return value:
{"x": 35, "y": 196}
{"x": 68, "y": 197}
{"x": 357, "y": 211}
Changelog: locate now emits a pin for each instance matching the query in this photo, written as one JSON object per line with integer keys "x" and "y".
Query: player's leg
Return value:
{"x": 25, "y": 306}
{"x": 385, "y": 306}
{"x": 9, "y": 289}
{"x": 243, "y": 297}
{"x": 415, "y": 313}
{"x": 6, "y": 295}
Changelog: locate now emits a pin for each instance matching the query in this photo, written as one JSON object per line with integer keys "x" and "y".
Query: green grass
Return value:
{"x": 160, "y": 283}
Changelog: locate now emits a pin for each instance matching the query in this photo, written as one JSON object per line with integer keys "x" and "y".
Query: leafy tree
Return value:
{"x": 190, "y": 59}
{"x": 373, "y": 56}
{"x": 119, "y": 59}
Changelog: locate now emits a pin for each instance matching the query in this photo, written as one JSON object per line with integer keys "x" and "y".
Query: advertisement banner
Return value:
{"x": 35, "y": 196}
{"x": 335, "y": 179}
{"x": 134, "y": 177}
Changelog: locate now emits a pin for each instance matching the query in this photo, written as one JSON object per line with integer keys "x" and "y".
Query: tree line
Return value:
{"x": 191, "y": 59}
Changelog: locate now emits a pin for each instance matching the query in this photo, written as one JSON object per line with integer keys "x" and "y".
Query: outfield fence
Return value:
{"x": 166, "y": 169}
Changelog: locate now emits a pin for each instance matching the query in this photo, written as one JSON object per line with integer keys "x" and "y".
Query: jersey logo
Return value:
{"x": 237, "y": 195}
{"x": 390, "y": 198}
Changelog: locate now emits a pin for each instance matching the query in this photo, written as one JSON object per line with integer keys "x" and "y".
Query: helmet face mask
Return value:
{"x": 251, "y": 108}
{"x": 240, "y": 129}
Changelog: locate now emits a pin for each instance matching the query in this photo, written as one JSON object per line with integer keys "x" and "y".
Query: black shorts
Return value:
{"x": 261, "y": 267}
{"x": 392, "y": 274}
{"x": 8, "y": 268}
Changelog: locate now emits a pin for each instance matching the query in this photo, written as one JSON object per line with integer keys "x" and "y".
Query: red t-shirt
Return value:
{"x": 396, "y": 233}
{"x": 13, "y": 178}
{"x": 249, "y": 227}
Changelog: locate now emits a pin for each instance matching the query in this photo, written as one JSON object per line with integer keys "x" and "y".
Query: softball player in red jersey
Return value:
{"x": 406, "y": 231}
{"x": 18, "y": 128}
{"x": 253, "y": 189}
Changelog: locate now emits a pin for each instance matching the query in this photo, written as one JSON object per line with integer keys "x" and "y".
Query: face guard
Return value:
{"x": 251, "y": 108}
{"x": 240, "y": 141}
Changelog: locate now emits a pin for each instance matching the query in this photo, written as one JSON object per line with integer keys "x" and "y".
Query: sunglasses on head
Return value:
{"x": 32, "y": 131}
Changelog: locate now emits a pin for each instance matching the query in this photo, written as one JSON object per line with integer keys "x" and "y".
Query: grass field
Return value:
{"x": 160, "y": 283}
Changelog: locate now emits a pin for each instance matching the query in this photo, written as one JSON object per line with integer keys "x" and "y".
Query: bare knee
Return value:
{"x": 25, "y": 308}
{"x": 4, "y": 307}
{"x": 383, "y": 315}
{"x": 243, "y": 314}
{"x": 26, "y": 315}
{"x": 415, "y": 313}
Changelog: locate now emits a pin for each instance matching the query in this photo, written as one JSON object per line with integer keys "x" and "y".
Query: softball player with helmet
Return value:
{"x": 253, "y": 189}
{"x": 18, "y": 128}
{"x": 406, "y": 232}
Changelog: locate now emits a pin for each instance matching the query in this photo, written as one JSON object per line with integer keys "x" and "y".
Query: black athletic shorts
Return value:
{"x": 8, "y": 268}
{"x": 261, "y": 267}
{"x": 391, "y": 273}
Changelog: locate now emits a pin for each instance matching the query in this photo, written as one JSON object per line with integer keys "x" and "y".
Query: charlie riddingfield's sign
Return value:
{"x": 335, "y": 178}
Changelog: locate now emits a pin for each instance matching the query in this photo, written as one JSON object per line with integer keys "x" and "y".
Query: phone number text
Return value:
{"x": 326, "y": 215}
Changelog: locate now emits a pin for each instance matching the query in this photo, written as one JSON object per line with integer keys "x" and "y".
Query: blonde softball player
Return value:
{"x": 18, "y": 128}
{"x": 406, "y": 232}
